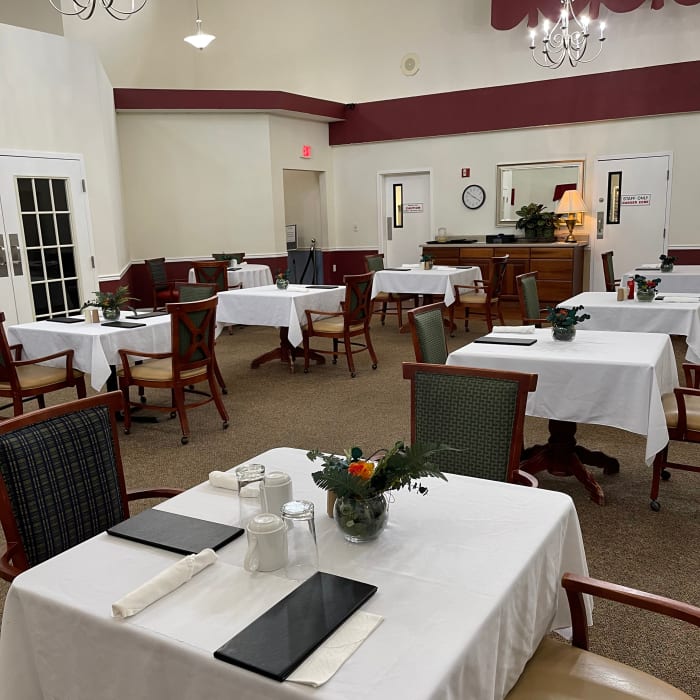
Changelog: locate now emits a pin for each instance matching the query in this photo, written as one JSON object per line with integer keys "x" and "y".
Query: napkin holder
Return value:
{"x": 91, "y": 315}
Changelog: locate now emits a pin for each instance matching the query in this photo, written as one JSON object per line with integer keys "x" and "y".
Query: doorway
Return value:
{"x": 405, "y": 218}
{"x": 632, "y": 205}
{"x": 46, "y": 252}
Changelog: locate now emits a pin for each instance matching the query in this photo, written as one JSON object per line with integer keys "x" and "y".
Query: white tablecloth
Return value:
{"x": 269, "y": 306}
{"x": 248, "y": 275}
{"x": 683, "y": 278}
{"x": 600, "y": 377}
{"x": 439, "y": 280}
{"x": 468, "y": 583}
{"x": 608, "y": 314}
{"x": 96, "y": 346}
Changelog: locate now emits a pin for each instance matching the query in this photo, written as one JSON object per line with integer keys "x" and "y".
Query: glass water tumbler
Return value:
{"x": 302, "y": 560}
{"x": 249, "y": 477}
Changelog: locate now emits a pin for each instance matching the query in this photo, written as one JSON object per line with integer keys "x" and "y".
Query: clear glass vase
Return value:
{"x": 667, "y": 267}
{"x": 111, "y": 313}
{"x": 361, "y": 519}
{"x": 563, "y": 332}
{"x": 282, "y": 284}
{"x": 645, "y": 294}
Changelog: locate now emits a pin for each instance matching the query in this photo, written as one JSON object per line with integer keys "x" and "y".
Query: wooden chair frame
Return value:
{"x": 212, "y": 272}
{"x": 520, "y": 282}
{"x": 608, "y": 271}
{"x": 164, "y": 290}
{"x": 385, "y": 298}
{"x": 13, "y": 559}
{"x": 413, "y": 314}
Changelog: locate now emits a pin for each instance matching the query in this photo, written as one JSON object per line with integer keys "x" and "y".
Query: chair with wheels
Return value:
{"x": 682, "y": 410}
{"x": 61, "y": 480}
{"x": 572, "y": 672}
{"x": 428, "y": 333}
{"x": 610, "y": 281}
{"x": 374, "y": 263}
{"x": 530, "y": 310}
{"x": 343, "y": 326}
{"x": 164, "y": 291}
{"x": 482, "y": 297}
{"x": 190, "y": 362}
{"x": 479, "y": 412}
{"x": 24, "y": 380}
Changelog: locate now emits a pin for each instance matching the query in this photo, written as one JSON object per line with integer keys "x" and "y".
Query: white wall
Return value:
{"x": 32, "y": 14}
{"x": 302, "y": 205}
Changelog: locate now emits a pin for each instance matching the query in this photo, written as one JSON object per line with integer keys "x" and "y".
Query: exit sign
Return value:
{"x": 306, "y": 151}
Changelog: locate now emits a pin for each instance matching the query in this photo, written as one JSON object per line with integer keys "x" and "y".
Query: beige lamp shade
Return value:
{"x": 571, "y": 203}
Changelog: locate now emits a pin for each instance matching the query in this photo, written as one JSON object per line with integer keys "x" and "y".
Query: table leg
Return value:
{"x": 561, "y": 456}
{"x": 285, "y": 353}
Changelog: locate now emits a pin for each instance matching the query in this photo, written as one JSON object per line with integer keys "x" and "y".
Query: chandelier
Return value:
{"x": 84, "y": 9}
{"x": 566, "y": 40}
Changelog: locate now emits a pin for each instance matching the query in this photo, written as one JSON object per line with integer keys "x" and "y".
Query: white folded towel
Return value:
{"x": 336, "y": 650}
{"x": 228, "y": 480}
{"x": 513, "y": 329}
{"x": 163, "y": 583}
{"x": 687, "y": 300}
{"x": 649, "y": 266}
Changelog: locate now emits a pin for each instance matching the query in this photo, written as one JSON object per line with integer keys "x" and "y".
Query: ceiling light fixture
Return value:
{"x": 199, "y": 39}
{"x": 84, "y": 9}
{"x": 566, "y": 40}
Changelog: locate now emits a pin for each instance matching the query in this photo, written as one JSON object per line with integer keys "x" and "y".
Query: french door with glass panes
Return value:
{"x": 46, "y": 255}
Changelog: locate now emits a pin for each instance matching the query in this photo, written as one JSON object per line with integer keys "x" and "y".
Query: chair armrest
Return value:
{"x": 679, "y": 393}
{"x": 525, "y": 479}
{"x": 152, "y": 492}
{"x": 575, "y": 586}
{"x": 8, "y": 571}
{"x": 690, "y": 371}
{"x": 125, "y": 353}
{"x": 68, "y": 354}
{"x": 17, "y": 349}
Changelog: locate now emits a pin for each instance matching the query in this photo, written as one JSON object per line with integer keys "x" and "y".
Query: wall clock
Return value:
{"x": 473, "y": 196}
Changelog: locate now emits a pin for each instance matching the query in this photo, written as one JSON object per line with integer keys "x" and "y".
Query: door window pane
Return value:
{"x": 41, "y": 303}
{"x": 26, "y": 194}
{"x": 68, "y": 262}
{"x": 64, "y": 231}
{"x": 51, "y": 264}
{"x": 36, "y": 265}
{"x": 60, "y": 200}
{"x": 43, "y": 195}
{"x": 56, "y": 297}
{"x": 48, "y": 230}
{"x": 31, "y": 230}
{"x": 72, "y": 295}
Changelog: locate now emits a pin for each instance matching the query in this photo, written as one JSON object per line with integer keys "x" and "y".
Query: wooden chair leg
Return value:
{"x": 127, "y": 409}
{"x": 218, "y": 402}
{"x": 41, "y": 400}
{"x": 179, "y": 403}
{"x": 348, "y": 353}
{"x": 399, "y": 311}
{"x": 80, "y": 387}
{"x": 383, "y": 313}
{"x": 370, "y": 348}
{"x": 658, "y": 467}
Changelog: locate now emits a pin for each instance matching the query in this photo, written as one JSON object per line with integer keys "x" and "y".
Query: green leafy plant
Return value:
{"x": 426, "y": 258}
{"x": 536, "y": 222}
{"x": 400, "y": 467}
{"x": 645, "y": 285}
{"x": 667, "y": 259}
{"x": 282, "y": 274}
{"x": 565, "y": 318}
{"x": 110, "y": 300}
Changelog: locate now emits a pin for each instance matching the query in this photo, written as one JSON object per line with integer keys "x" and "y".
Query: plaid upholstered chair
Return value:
{"x": 22, "y": 380}
{"x": 428, "y": 333}
{"x": 190, "y": 362}
{"x": 480, "y": 412}
{"x": 164, "y": 291}
{"x": 374, "y": 263}
{"x": 529, "y": 299}
{"x": 61, "y": 480}
{"x": 609, "y": 271}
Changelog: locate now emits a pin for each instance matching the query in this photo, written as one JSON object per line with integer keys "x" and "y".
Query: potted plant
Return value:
{"x": 427, "y": 261}
{"x": 282, "y": 281}
{"x": 667, "y": 262}
{"x": 646, "y": 289}
{"x": 110, "y": 302}
{"x": 536, "y": 222}
{"x": 564, "y": 321}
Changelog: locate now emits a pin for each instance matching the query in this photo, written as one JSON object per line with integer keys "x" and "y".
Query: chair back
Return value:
{"x": 608, "y": 271}
{"x": 192, "y": 328}
{"x": 61, "y": 477}
{"x": 428, "y": 333}
{"x": 228, "y": 256}
{"x": 478, "y": 411}
{"x": 196, "y": 292}
{"x": 212, "y": 272}
{"x": 157, "y": 272}
{"x": 374, "y": 263}
{"x": 529, "y": 298}
{"x": 498, "y": 273}
{"x": 358, "y": 298}
{"x": 7, "y": 369}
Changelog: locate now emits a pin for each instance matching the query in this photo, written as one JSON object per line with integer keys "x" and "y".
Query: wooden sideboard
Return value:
{"x": 559, "y": 265}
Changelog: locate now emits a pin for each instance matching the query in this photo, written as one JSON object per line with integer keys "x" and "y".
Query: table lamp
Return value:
{"x": 571, "y": 204}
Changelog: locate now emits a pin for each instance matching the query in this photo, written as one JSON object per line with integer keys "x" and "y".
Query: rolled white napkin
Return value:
{"x": 336, "y": 650}
{"x": 687, "y": 300}
{"x": 228, "y": 480}
{"x": 412, "y": 265}
{"x": 513, "y": 329}
{"x": 163, "y": 583}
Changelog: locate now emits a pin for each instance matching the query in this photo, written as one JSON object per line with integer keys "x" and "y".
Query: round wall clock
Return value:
{"x": 473, "y": 196}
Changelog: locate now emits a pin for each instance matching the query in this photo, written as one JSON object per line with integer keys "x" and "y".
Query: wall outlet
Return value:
{"x": 335, "y": 268}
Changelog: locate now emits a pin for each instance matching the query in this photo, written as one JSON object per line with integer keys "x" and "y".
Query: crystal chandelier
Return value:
{"x": 84, "y": 9}
{"x": 566, "y": 40}
{"x": 199, "y": 39}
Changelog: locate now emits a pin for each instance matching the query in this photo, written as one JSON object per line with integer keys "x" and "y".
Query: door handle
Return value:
{"x": 13, "y": 239}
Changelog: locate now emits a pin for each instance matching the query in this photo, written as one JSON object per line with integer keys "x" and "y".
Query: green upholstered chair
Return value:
{"x": 343, "y": 326}
{"x": 529, "y": 299}
{"x": 228, "y": 257}
{"x": 212, "y": 272}
{"x": 560, "y": 671}
{"x": 23, "y": 380}
{"x": 609, "y": 271}
{"x": 61, "y": 480}
{"x": 164, "y": 291}
{"x": 190, "y": 361}
{"x": 480, "y": 412}
{"x": 428, "y": 333}
{"x": 374, "y": 263}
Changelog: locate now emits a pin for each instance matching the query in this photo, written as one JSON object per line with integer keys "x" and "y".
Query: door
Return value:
{"x": 46, "y": 255}
{"x": 406, "y": 217}
{"x": 632, "y": 202}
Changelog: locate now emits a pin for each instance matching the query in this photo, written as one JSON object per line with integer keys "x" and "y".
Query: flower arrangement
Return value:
{"x": 400, "y": 467}
{"x": 667, "y": 259}
{"x": 282, "y": 274}
{"x": 645, "y": 285}
{"x": 426, "y": 258}
{"x": 110, "y": 300}
{"x": 565, "y": 318}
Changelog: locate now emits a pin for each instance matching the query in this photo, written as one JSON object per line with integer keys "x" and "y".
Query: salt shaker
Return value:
{"x": 249, "y": 475}
{"x": 302, "y": 560}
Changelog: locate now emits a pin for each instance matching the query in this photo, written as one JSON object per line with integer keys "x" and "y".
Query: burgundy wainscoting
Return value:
{"x": 347, "y": 262}
{"x": 685, "y": 256}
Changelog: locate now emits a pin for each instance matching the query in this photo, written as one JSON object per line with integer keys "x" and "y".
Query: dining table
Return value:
{"x": 282, "y": 308}
{"x": 601, "y": 377}
{"x": 245, "y": 274}
{"x": 675, "y": 314}
{"x": 682, "y": 278}
{"x": 468, "y": 583}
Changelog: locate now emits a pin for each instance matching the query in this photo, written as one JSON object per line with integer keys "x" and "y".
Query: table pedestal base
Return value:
{"x": 561, "y": 456}
{"x": 285, "y": 353}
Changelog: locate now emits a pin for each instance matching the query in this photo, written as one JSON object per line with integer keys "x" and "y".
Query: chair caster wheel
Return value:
{"x": 655, "y": 506}
{"x": 665, "y": 474}
{"x": 335, "y": 362}
{"x": 143, "y": 399}
{"x": 306, "y": 370}
{"x": 173, "y": 414}
{"x": 127, "y": 431}
{"x": 374, "y": 366}
{"x": 225, "y": 424}
{"x": 352, "y": 375}
{"x": 224, "y": 390}
{"x": 184, "y": 439}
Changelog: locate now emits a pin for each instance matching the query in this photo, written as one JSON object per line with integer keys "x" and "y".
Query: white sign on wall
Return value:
{"x": 636, "y": 200}
{"x": 416, "y": 208}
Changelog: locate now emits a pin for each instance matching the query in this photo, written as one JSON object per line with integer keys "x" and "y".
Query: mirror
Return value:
{"x": 541, "y": 183}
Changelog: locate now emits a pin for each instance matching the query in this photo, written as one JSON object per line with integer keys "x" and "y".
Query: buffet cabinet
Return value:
{"x": 559, "y": 266}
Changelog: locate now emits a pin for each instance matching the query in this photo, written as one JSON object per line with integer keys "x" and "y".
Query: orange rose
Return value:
{"x": 362, "y": 469}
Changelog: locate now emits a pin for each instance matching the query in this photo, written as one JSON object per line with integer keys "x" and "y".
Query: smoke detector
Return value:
{"x": 410, "y": 64}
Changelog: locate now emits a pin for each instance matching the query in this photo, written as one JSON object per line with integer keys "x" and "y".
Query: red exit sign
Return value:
{"x": 306, "y": 151}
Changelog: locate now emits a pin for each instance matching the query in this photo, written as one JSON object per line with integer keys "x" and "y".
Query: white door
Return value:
{"x": 406, "y": 217}
{"x": 46, "y": 254}
{"x": 632, "y": 202}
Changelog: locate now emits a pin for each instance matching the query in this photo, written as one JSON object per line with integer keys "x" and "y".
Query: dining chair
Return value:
{"x": 24, "y": 380}
{"x": 61, "y": 480}
{"x": 228, "y": 257}
{"x": 189, "y": 362}
{"x": 530, "y": 310}
{"x": 479, "y": 412}
{"x": 428, "y": 333}
{"x": 572, "y": 672}
{"x": 682, "y": 410}
{"x": 214, "y": 272}
{"x": 482, "y": 297}
{"x": 375, "y": 263}
{"x": 164, "y": 291}
{"x": 610, "y": 281}
{"x": 340, "y": 327}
